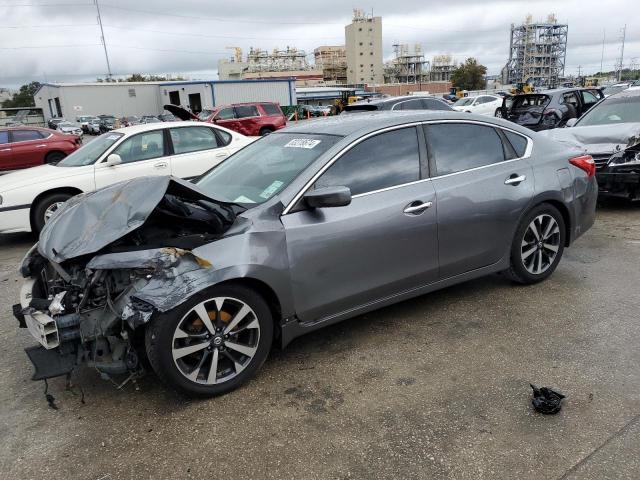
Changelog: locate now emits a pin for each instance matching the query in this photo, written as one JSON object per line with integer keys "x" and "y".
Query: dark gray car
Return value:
{"x": 303, "y": 228}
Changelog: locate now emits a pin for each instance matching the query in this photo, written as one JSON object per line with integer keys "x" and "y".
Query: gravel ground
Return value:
{"x": 436, "y": 387}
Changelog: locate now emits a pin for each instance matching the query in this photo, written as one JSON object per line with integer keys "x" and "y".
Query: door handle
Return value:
{"x": 5, "y": 150}
{"x": 416, "y": 208}
{"x": 40, "y": 146}
{"x": 515, "y": 179}
{"x": 161, "y": 165}
{"x": 221, "y": 155}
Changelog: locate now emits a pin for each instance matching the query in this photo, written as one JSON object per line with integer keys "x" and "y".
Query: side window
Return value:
{"x": 4, "y": 137}
{"x": 193, "y": 139}
{"x": 431, "y": 104}
{"x": 143, "y": 146}
{"x": 271, "y": 109}
{"x": 480, "y": 100}
{"x": 243, "y": 111}
{"x": 588, "y": 98}
{"x": 570, "y": 99}
{"x": 24, "y": 135}
{"x": 226, "y": 114}
{"x": 459, "y": 147}
{"x": 410, "y": 105}
{"x": 518, "y": 142}
{"x": 382, "y": 161}
{"x": 225, "y": 137}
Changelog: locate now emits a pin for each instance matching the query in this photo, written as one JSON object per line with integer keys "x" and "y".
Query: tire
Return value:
{"x": 265, "y": 131}
{"x": 54, "y": 157}
{"x": 169, "y": 333}
{"x": 535, "y": 258}
{"x": 45, "y": 207}
{"x": 498, "y": 113}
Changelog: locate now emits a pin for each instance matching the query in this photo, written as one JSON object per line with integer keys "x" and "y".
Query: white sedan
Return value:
{"x": 482, "y": 105}
{"x": 184, "y": 149}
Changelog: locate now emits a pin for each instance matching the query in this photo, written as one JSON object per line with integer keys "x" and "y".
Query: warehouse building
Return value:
{"x": 121, "y": 99}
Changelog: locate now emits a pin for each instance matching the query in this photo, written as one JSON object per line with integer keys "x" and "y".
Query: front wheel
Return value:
{"x": 46, "y": 207}
{"x": 212, "y": 343}
{"x": 498, "y": 113}
{"x": 265, "y": 131}
{"x": 538, "y": 245}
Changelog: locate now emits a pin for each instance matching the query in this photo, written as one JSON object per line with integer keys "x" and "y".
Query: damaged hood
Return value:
{"x": 596, "y": 139}
{"x": 89, "y": 222}
{"x": 180, "y": 112}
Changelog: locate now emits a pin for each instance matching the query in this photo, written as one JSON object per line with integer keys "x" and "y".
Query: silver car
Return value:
{"x": 303, "y": 228}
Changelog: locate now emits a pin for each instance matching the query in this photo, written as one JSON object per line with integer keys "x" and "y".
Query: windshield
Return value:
{"x": 613, "y": 110}
{"x": 265, "y": 167}
{"x": 614, "y": 89}
{"x": 464, "y": 102}
{"x": 204, "y": 115}
{"x": 90, "y": 153}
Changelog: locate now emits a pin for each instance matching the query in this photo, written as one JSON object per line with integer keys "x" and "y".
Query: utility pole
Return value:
{"x": 104, "y": 43}
{"x": 621, "y": 61}
{"x": 579, "y": 71}
{"x": 604, "y": 32}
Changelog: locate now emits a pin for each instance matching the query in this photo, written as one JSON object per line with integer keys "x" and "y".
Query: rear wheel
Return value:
{"x": 538, "y": 245}
{"x": 265, "y": 131}
{"x": 498, "y": 113}
{"x": 54, "y": 157}
{"x": 212, "y": 343}
{"x": 46, "y": 207}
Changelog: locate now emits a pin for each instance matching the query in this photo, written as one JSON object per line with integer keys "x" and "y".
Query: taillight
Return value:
{"x": 586, "y": 163}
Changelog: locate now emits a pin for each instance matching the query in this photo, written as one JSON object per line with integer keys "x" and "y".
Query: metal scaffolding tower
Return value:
{"x": 537, "y": 52}
{"x": 407, "y": 67}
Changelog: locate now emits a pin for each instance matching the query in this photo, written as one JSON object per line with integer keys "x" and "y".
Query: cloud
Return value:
{"x": 61, "y": 41}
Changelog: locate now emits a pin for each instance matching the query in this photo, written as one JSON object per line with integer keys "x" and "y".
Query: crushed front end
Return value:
{"x": 81, "y": 280}
{"x": 620, "y": 177}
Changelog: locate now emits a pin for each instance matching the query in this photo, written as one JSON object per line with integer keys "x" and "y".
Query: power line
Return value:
{"x": 50, "y": 26}
{"x": 52, "y": 46}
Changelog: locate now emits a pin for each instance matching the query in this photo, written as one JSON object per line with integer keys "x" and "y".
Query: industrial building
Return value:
{"x": 537, "y": 53}
{"x": 363, "y": 43}
{"x": 262, "y": 64}
{"x": 147, "y": 98}
{"x": 442, "y": 68}
{"x": 332, "y": 60}
{"x": 407, "y": 66}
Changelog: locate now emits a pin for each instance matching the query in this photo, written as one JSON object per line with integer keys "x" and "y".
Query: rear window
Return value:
{"x": 525, "y": 101}
{"x": 246, "y": 111}
{"x": 518, "y": 142}
{"x": 271, "y": 109}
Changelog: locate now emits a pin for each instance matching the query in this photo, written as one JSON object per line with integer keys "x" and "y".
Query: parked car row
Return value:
{"x": 23, "y": 147}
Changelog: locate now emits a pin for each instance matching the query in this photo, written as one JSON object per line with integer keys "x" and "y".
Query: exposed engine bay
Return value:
{"x": 79, "y": 299}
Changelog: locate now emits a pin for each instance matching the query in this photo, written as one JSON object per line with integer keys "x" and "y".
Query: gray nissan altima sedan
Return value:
{"x": 306, "y": 227}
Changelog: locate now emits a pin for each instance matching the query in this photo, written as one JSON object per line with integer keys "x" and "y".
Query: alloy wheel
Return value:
{"x": 51, "y": 209}
{"x": 540, "y": 244}
{"x": 216, "y": 340}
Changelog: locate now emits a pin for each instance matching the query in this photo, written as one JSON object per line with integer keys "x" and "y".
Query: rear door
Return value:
{"x": 195, "y": 150}
{"x": 28, "y": 148}
{"x": 249, "y": 120}
{"x": 383, "y": 243}
{"x": 5, "y": 151}
{"x": 143, "y": 154}
{"x": 588, "y": 100}
{"x": 481, "y": 191}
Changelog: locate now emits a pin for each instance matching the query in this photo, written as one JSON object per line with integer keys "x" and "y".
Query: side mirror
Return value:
{"x": 328, "y": 197}
{"x": 113, "y": 160}
{"x": 571, "y": 122}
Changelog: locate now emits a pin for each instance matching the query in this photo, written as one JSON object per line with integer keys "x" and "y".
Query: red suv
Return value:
{"x": 22, "y": 147}
{"x": 250, "y": 119}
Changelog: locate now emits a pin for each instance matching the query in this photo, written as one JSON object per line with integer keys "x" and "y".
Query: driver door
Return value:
{"x": 384, "y": 243}
{"x": 143, "y": 154}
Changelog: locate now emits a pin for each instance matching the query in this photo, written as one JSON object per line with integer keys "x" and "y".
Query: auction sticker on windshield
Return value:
{"x": 271, "y": 189}
{"x": 302, "y": 143}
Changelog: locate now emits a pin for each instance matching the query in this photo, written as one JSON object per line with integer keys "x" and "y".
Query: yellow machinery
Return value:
{"x": 522, "y": 88}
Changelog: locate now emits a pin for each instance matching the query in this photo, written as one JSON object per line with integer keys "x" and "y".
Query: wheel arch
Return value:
{"x": 53, "y": 152}
{"x": 70, "y": 190}
{"x": 562, "y": 208}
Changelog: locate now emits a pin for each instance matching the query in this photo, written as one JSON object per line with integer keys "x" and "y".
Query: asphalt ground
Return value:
{"x": 435, "y": 387}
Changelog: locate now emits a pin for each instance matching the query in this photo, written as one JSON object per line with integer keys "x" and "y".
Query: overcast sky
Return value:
{"x": 59, "y": 40}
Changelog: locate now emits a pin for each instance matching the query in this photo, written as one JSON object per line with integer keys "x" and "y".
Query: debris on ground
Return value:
{"x": 545, "y": 400}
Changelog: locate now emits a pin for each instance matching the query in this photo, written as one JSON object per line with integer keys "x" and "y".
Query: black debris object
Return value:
{"x": 546, "y": 400}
